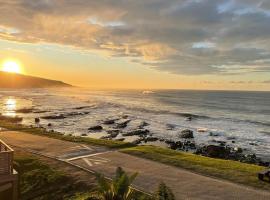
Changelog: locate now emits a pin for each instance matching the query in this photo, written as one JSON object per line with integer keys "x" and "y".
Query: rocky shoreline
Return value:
{"x": 117, "y": 128}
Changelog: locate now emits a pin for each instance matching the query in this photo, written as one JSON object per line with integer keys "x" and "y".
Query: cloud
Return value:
{"x": 177, "y": 36}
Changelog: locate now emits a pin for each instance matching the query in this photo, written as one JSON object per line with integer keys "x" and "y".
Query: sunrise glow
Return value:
{"x": 11, "y": 67}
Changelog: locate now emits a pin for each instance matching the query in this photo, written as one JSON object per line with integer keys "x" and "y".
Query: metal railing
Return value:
{"x": 6, "y": 159}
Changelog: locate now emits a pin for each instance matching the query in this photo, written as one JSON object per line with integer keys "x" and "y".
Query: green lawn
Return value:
{"x": 225, "y": 169}
{"x": 40, "y": 181}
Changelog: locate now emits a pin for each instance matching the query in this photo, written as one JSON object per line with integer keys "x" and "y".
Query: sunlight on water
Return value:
{"x": 10, "y": 107}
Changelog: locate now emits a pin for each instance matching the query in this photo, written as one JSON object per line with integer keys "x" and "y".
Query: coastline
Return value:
{"x": 234, "y": 171}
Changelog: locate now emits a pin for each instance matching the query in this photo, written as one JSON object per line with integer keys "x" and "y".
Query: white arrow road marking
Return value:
{"x": 88, "y": 162}
{"x": 91, "y": 161}
{"x": 85, "y": 156}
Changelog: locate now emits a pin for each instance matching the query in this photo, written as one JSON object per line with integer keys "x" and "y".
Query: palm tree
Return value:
{"x": 119, "y": 188}
{"x": 164, "y": 193}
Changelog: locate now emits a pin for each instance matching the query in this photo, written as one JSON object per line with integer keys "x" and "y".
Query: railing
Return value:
{"x": 6, "y": 159}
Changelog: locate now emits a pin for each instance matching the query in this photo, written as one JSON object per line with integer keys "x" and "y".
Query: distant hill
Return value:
{"x": 12, "y": 80}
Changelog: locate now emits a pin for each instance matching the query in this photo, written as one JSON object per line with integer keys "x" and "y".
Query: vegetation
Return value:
{"x": 40, "y": 181}
{"x": 6, "y": 123}
{"x": 164, "y": 193}
{"x": 226, "y": 169}
{"x": 119, "y": 188}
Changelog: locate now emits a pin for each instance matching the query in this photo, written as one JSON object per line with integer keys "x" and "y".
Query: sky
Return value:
{"x": 160, "y": 44}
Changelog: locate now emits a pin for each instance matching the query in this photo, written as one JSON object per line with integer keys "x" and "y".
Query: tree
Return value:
{"x": 164, "y": 193}
{"x": 119, "y": 188}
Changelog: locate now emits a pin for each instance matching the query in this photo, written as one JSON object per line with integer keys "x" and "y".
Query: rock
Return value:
{"x": 84, "y": 134}
{"x": 231, "y": 138}
{"x": 111, "y": 131}
{"x": 37, "y": 120}
{"x": 253, "y": 144}
{"x": 170, "y": 126}
{"x": 186, "y": 134}
{"x": 95, "y": 128}
{"x": 216, "y": 151}
{"x": 174, "y": 145}
{"x": 49, "y": 124}
{"x": 137, "y": 141}
{"x": 109, "y": 121}
{"x": 114, "y": 134}
{"x": 238, "y": 150}
{"x": 189, "y": 145}
{"x": 120, "y": 139}
{"x": 59, "y": 116}
{"x": 11, "y": 119}
{"x": 150, "y": 139}
{"x": 25, "y": 110}
{"x": 82, "y": 107}
{"x": 125, "y": 116}
{"x": 122, "y": 124}
{"x": 213, "y": 134}
{"x": 189, "y": 118}
{"x": 233, "y": 141}
{"x": 143, "y": 124}
{"x": 140, "y": 132}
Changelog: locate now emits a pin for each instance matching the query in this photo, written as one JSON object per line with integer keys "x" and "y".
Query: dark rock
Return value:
{"x": 186, "y": 134}
{"x": 112, "y": 131}
{"x": 25, "y": 110}
{"x": 174, "y": 145}
{"x": 238, "y": 150}
{"x": 125, "y": 116}
{"x": 82, "y": 107}
{"x": 189, "y": 118}
{"x": 213, "y": 134}
{"x": 170, "y": 126}
{"x": 109, "y": 121}
{"x": 140, "y": 132}
{"x": 253, "y": 144}
{"x": 150, "y": 139}
{"x": 215, "y": 151}
{"x": 84, "y": 134}
{"x": 76, "y": 114}
{"x": 60, "y": 116}
{"x": 143, "y": 124}
{"x": 37, "y": 120}
{"x": 49, "y": 124}
{"x": 11, "y": 119}
{"x": 95, "y": 128}
{"x": 137, "y": 141}
{"x": 233, "y": 141}
{"x": 120, "y": 139}
{"x": 122, "y": 124}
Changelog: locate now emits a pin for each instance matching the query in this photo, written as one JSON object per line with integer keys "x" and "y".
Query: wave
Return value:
{"x": 183, "y": 114}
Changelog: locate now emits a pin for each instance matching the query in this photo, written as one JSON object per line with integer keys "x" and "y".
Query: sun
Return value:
{"x": 12, "y": 67}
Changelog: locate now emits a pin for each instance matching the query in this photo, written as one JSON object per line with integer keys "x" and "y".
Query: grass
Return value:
{"x": 40, "y": 181}
{"x": 43, "y": 132}
{"x": 233, "y": 171}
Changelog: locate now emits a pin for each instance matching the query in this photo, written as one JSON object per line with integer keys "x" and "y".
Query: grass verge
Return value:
{"x": 234, "y": 171}
{"x": 44, "y": 132}
{"x": 40, "y": 181}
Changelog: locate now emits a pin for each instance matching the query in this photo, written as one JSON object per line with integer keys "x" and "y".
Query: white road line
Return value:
{"x": 88, "y": 162}
{"x": 89, "y": 155}
{"x": 86, "y": 147}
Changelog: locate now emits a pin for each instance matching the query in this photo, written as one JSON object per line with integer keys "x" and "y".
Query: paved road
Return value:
{"x": 185, "y": 184}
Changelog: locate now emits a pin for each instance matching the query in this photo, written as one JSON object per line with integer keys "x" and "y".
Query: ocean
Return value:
{"x": 242, "y": 119}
